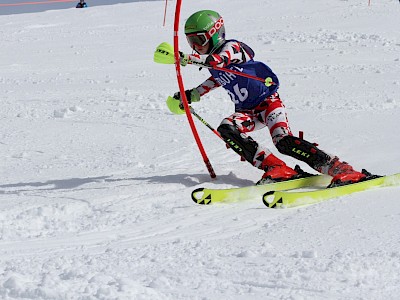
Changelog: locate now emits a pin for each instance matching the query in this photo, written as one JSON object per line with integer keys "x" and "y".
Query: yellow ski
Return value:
{"x": 208, "y": 196}
{"x": 286, "y": 199}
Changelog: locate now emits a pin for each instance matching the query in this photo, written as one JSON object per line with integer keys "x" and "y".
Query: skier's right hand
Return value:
{"x": 175, "y": 104}
{"x": 192, "y": 95}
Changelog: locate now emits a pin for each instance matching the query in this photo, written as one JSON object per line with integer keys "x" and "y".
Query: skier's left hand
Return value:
{"x": 184, "y": 59}
{"x": 164, "y": 54}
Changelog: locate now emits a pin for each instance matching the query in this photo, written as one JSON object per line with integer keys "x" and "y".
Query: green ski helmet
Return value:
{"x": 205, "y": 26}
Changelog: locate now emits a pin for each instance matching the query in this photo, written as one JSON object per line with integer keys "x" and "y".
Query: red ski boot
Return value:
{"x": 343, "y": 173}
{"x": 276, "y": 171}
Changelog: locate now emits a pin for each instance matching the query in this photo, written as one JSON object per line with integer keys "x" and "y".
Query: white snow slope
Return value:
{"x": 96, "y": 173}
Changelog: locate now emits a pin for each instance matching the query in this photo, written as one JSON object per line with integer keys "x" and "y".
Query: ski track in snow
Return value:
{"x": 96, "y": 174}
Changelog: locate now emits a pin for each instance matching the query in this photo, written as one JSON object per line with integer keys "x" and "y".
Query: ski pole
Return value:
{"x": 164, "y": 54}
{"x": 267, "y": 81}
{"x": 213, "y": 130}
{"x": 205, "y": 122}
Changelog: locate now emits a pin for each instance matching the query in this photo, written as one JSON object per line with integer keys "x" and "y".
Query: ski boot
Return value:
{"x": 276, "y": 171}
{"x": 344, "y": 174}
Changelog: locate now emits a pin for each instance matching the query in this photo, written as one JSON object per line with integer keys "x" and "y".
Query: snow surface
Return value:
{"x": 29, "y": 6}
{"x": 96, "y": 174}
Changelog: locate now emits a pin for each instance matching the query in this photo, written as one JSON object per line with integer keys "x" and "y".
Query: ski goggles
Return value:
{"x": 197, "y": 39}
{"x": 202, "y": 38}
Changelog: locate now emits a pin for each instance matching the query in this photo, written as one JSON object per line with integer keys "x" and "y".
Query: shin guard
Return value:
{"x": 242, "y": 144}
{"x": 304, "y": 151}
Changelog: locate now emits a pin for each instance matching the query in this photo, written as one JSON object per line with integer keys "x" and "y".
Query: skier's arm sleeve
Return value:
{"x": 231, "y": 52}
{"x": 207, "y": 86}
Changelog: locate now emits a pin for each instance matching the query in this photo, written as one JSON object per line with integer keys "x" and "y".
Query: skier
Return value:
{"x": 81, "y": 4}
{"x": 257, "y": 105}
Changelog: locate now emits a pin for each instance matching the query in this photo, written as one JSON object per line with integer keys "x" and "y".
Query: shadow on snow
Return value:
{"x": 188, "y": 180}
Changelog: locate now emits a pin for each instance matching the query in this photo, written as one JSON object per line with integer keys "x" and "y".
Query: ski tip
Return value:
{"x": 268, "y": 199}
{"x": 199, "y": 197}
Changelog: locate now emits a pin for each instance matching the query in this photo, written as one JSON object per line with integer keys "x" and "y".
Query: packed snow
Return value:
{"x": 96, "y": 173}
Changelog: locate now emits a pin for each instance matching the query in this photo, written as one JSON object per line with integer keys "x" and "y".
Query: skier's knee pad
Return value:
{"x": 239, "y": 142}
{"x": 303, "y": 150}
